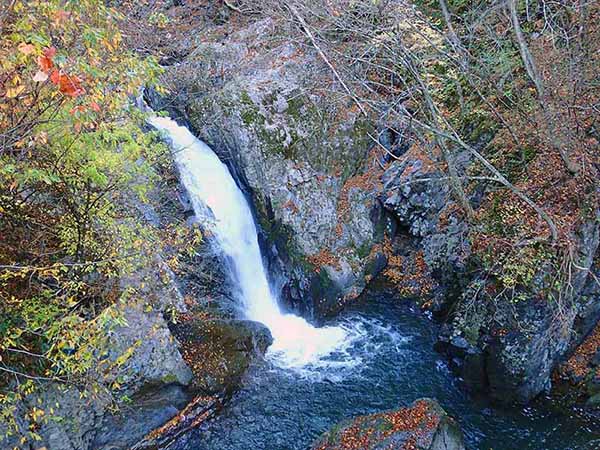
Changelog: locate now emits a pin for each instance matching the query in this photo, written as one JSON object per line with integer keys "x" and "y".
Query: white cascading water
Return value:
{"x": 296, "y": 343}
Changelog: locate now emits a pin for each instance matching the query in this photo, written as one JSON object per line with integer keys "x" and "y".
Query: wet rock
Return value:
{"x": 152, "y": 407}
{"x": 424, "y": 426}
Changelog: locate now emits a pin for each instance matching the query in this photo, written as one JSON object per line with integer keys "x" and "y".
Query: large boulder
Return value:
{"x": 509, "y": 345}
{"x": 424, "y": 425}
{"x": 219, "y": 351}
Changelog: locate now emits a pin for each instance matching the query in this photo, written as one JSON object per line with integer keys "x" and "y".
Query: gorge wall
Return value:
{"x": 341, "y": 201}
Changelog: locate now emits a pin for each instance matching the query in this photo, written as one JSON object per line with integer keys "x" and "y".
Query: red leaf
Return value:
{"x": 95, "y": 106}
{"x": 55, "y": 77}
{"x": 71, "y": 86}
{"x": 45, "y": 62}
{"x": 67, "y": 84}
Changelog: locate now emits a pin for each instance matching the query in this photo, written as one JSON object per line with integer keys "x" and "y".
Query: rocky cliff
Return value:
{"x": 341, "y": 200}
{"x": 299, "y": 152}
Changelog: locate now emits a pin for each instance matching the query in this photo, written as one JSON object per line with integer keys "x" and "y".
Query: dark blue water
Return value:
{"x": 389, "y": 366}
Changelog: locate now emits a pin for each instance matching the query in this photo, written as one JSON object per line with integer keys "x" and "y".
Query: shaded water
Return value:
{"x": 395, "y": 364}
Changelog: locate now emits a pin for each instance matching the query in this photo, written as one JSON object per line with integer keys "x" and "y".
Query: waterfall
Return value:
{"x": 218, "y": 201}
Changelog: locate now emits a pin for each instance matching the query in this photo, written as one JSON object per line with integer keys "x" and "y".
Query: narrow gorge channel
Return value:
{"x": 378, "y": 355}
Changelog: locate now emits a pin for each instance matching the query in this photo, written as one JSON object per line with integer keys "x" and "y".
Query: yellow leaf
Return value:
{"x": 14, "y": 92}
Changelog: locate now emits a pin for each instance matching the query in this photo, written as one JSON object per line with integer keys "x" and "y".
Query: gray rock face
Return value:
{"x": 512, "y": 356}
{"x": 415, "y": 196}
{"x": 580, "y": 371}
{"x": 291, "y": 155}
{"x": 153, "y": 408}
{"x": 588, "y": 303}
{"x": 155, "y": 358}
{"x": 424, "y": 426}
{"x": 154, "y": 377}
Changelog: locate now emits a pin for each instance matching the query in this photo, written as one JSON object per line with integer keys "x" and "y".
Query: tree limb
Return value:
{"x": 310, "y": 36}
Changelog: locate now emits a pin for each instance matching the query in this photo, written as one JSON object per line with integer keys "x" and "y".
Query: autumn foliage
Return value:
{"x": 71, "y": 145}
{"x": 369, "y": 432}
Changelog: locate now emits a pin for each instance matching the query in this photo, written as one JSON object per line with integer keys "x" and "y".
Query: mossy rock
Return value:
{"x": 424, "y": 425}
{"x": 220, "y": 351}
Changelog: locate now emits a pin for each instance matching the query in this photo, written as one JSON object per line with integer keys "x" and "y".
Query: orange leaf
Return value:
{"x": 55, "y": 76}
{"x": 71, "y": 86}
{"x": 95, "y": 106}
{"x": 45, "y": 62}
{"x": 68, "y": 85}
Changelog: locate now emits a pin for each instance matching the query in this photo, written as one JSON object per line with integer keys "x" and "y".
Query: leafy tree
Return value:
{"x": 74, "y": 160}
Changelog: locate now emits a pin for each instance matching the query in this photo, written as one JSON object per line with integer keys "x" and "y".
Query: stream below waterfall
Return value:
{"x": 282, "y": 409}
